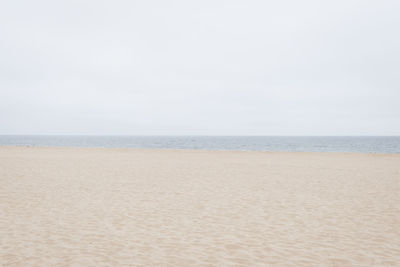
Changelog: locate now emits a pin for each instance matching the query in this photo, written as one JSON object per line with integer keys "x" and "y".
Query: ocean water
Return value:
{"x": 365, "y": 144}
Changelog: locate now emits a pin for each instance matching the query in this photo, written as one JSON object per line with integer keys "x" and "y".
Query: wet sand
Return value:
{"x": 112, "y": 207}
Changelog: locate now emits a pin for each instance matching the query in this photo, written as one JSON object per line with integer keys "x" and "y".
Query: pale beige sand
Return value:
{"x": 94, "y": 207}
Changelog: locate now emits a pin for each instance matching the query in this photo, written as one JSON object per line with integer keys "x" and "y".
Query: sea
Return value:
{"x": 363, "y": 144}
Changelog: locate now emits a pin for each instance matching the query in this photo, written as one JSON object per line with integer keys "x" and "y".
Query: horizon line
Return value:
{"x": 197, "y": 135}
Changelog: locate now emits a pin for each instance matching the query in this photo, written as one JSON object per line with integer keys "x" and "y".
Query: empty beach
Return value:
{"x": 151, "y": 207}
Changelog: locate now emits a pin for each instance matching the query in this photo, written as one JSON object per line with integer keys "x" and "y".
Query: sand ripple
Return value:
{"x": 111, "y": 207}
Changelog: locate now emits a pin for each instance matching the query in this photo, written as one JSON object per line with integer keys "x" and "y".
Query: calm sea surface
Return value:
{"x": 248, "y": 143}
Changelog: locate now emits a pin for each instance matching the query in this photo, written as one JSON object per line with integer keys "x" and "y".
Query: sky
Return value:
{"x": 200, "y": 67}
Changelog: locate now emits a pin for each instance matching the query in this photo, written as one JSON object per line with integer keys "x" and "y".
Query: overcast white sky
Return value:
{"x": 200, "y": 67}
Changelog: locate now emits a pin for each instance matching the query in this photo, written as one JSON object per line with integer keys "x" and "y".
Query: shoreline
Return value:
{"x": 195, "y": 150}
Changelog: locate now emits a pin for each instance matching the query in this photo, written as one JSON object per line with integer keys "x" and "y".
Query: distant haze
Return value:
{"x": 200, "y": 67}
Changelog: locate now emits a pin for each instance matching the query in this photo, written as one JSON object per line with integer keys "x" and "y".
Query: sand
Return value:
{"x": 112, "y": 207}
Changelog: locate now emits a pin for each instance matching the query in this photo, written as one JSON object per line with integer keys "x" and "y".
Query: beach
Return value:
{"x": 66, "y": 206}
